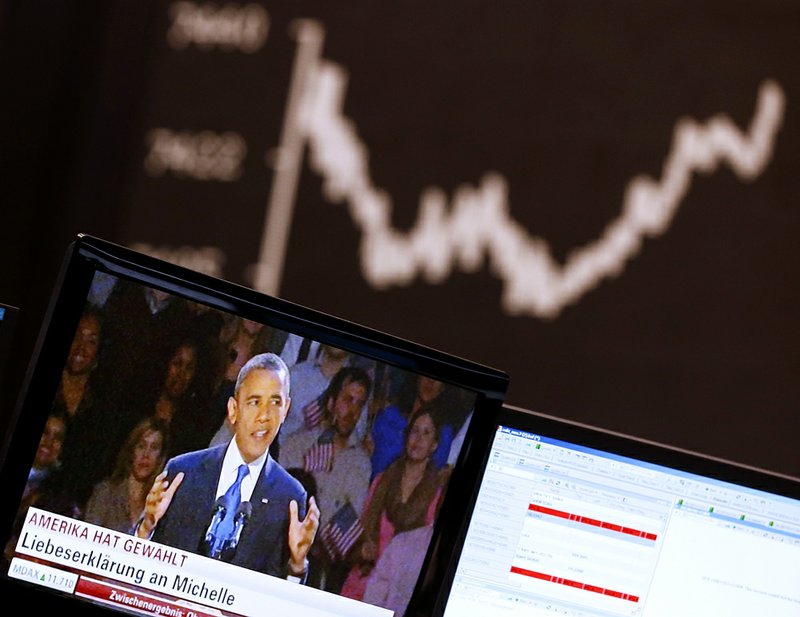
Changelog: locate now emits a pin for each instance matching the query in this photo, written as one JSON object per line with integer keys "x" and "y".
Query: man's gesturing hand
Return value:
{"x": 157, "y": 502}
{"x": 301, "y": 535}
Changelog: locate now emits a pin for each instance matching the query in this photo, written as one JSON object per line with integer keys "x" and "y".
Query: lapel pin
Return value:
{"x": 264, "y": 500}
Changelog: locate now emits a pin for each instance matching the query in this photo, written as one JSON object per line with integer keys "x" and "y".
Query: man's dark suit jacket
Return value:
{"x": 263, "y": 545}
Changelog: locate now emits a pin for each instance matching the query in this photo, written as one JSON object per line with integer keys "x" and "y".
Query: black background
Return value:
{"x": 693, "y": 344}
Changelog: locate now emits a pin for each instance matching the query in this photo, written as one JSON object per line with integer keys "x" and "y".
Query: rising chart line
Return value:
{"x": 476, "y": 226}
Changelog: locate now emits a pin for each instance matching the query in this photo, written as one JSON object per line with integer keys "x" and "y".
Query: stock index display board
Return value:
{"x": 599, "y": 199}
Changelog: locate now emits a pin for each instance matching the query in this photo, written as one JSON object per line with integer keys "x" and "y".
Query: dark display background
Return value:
{"x": 694, "y": 343}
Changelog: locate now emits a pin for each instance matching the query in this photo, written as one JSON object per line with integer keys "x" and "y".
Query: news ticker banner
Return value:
{"x": 523, "y": 174}
{"x": 128, "y": 572}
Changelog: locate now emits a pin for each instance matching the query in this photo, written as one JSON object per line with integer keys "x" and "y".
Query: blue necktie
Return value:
{"x": 232, "y": 499}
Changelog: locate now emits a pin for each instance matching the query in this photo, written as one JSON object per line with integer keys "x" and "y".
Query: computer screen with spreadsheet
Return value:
{"x": 570, "y": 520}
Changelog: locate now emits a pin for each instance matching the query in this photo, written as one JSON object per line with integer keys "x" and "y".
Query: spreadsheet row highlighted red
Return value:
{"x": 593, "y": 522}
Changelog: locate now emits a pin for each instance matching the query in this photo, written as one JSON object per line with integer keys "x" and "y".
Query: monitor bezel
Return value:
{"x": 87, "y": 255}
{"x": 8, "y": 326}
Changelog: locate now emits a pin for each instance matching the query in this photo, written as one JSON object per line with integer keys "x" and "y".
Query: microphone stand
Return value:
{"x": 243, "y": 513}
{"x": 211, "y": 547}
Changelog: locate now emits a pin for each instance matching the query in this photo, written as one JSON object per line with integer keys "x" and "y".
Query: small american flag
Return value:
{"x": 313, "y": 414}
{"x": 319, "y": 457}
{"x": 341, "y": 532}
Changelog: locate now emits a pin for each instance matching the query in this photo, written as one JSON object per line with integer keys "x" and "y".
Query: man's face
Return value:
{"x": 345, "y": 409}
{"x": 83, "y": 350}
{"x": 257, "y": 412}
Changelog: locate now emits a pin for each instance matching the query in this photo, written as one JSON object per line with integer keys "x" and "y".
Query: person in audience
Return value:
{"x": 391, "y": 423}
{"x": 309, "y": 381}
{"x": 341, "y": 469}
{"x": 47, "y": 460}
{"x": 179, "y": 375}
{"x": 403, "y": 497}
{"x": 177, "y": 403}
{"x": 391, "y": 582}
{"x": 295, "y": 348}
{"x": 45, "y": 488}
{"x": 75, "y": 395}
{"x": 79, "y": 401}
{"x": 117, "y": 501}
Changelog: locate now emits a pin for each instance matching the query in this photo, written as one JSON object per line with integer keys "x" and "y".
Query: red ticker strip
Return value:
{"x": 126, "y": 598}
{"x": 576, "y": 584}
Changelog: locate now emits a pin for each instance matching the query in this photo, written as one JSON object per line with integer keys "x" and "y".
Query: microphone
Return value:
{"x": 217, "y": 514}
{"x": 243, "y": 513}
{"x": 227, "y": 545}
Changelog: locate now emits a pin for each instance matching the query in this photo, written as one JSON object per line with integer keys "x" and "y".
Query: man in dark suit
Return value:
{"x": 182, "y": 504}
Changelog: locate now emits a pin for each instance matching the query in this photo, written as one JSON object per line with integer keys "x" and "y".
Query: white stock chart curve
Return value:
{"x": 475, "y": 225}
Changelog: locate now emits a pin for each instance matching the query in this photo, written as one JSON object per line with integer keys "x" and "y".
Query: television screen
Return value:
{"x": 574, "y": 520}
{"x": 185, "y": 446}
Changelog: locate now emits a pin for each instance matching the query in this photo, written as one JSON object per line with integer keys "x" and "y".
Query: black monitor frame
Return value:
{"x": 88, "y": 255}
{"x": 8, "y": 323}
